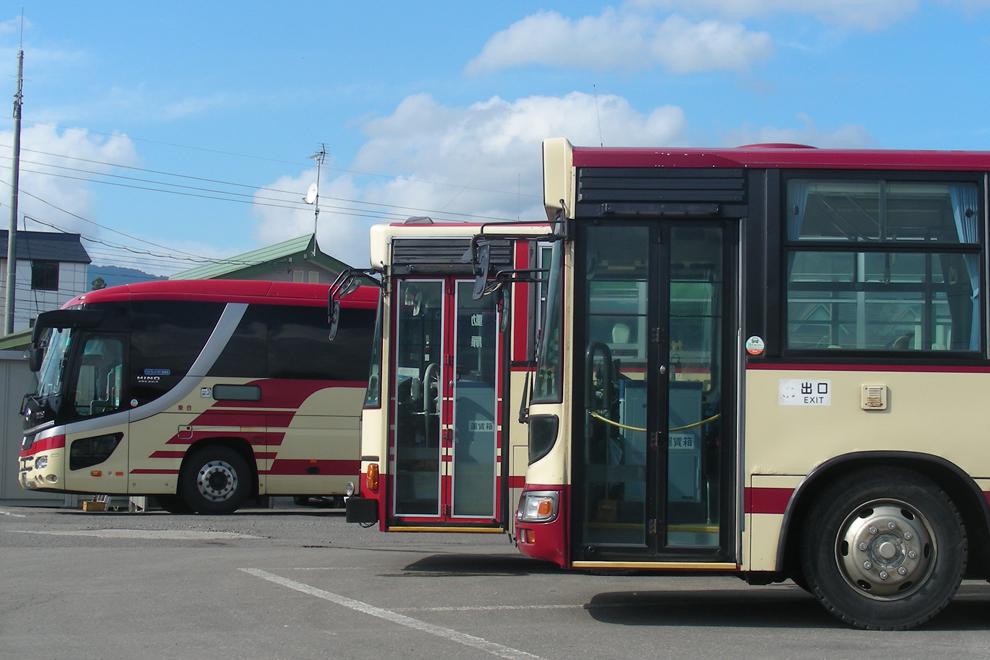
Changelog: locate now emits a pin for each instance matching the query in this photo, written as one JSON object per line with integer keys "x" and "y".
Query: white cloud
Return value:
{"x": 483, "y": 159}
{"x": 72, "y": 194}
{"x": 622, "y": 40}
{"x": 847, "y": 136}
{"x": 863, "y": 14}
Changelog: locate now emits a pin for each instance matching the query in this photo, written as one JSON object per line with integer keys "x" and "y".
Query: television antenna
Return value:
{"x": 313, "y": 192}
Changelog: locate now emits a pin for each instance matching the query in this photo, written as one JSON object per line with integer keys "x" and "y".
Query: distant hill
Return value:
{"x": 117, "y": 275}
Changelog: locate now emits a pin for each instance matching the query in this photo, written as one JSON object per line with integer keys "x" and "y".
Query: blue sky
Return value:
{"x": 439, "y": 108}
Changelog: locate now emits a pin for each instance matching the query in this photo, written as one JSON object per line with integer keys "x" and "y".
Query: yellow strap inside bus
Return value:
{"x": 693, "y": 425}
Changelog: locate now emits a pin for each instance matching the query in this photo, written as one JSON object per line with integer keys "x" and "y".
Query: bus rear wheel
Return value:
{"x": 884, "y": 550}
{"x": 215, "y": 480}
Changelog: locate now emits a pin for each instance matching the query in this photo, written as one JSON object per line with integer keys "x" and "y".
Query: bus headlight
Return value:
{"x": 349, "y": 489}
{"x": 41, "y": 463}
{"x": 538, "y": 506}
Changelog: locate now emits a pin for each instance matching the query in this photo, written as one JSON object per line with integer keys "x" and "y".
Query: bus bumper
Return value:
{"x": 361, "y": 510}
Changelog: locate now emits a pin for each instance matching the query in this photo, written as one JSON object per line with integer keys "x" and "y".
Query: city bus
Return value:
{"x": 202, "y": 393}
{"x": 767, "y": 361}
{"x": 442, "y": 447}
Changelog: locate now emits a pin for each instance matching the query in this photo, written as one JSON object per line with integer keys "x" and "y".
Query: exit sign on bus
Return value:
{"x": 804, "y": 392}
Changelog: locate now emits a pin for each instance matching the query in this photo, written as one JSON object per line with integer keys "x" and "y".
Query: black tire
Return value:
{"x": 883, "y": 549}
{"x": 215, "y": 480}
{"x": 174, "y": 504}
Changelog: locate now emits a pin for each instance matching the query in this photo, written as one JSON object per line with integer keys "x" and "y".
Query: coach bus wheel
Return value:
{"x": 173, "y": 504}
{"x": 884, "y": 551}
{"x": 215, "y": 480}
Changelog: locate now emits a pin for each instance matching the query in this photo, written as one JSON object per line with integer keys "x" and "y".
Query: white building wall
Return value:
{"x": 28, "y": 303}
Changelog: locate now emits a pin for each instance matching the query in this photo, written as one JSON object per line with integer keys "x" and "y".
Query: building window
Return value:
{"x": 44, "y": 275}
{"x": 877, "y": 265}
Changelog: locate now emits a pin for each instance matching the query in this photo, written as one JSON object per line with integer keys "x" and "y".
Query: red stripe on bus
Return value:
{"x": 520, "y": 319}
{"x": 767, "y": 500}
{"x": 265, "y": 455}
{"x": 45, "y": 444}
{"x": 153, "y": 471}
{"x": 168, "y": 454}
{"x": 301, "y": 466}
{"x": 517, "y": 481}
{"x": 901, "y": 368}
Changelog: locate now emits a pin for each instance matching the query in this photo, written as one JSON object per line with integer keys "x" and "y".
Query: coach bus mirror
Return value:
{"x": 503, "y": 305}
{"x": 482, "y": 257}
{"x": 35, "y": 356}
{"x": 350, "y": 286}
{"x": 334, "y": 318}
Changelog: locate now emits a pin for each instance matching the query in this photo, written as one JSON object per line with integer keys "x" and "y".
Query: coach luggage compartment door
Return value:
{"x": 654, "y": 436}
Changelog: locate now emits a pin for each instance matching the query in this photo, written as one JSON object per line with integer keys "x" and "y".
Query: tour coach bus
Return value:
{"x": 202, "y": 393}
{"x": 441, "y": 442}
{"x": 768, "y": 361}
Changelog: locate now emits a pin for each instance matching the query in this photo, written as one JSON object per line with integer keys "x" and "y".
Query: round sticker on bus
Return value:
{"x": 755, "y": 345}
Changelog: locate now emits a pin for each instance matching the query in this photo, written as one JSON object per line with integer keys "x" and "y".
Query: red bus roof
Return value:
{"x": 238, "y": 291}
{"x": 793, "y": 156}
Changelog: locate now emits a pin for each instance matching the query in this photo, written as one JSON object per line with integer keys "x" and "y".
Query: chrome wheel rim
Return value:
{"x": 885, "y": 550}
{"x": 216, "y": 481}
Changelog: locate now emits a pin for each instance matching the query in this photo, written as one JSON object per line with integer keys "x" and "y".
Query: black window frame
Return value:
{"x": 786, "y": 246}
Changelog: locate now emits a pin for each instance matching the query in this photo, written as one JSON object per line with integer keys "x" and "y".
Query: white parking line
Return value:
{"x": 388, "y": 615}
{"x": 326, "y": 568}
{"x": 12, "y": 514}
{"x": 488, "y": 608}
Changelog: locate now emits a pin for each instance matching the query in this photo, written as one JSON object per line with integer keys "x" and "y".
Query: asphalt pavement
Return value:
{"x": 302, "y": 583}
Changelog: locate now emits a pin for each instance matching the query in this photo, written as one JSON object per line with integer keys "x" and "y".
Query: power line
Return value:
{"x": 295, "y": 192}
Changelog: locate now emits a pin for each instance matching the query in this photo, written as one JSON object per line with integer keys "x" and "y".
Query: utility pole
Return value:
{"x": 14, "y": 183}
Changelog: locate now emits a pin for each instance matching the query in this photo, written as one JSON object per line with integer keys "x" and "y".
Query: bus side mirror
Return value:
{"x": 35, "y": 356}
{"x": 334, "y": 318}
{"x": 481, "y": 260}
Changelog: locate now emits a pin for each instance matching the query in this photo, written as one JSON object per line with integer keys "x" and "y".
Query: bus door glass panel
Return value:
{"x": 475, "y": 398}
{"x": 418, "y": 396}
{"x": 615, "y": 450}
{"x": 97, "y": 391}
{"x": 695, "y": 425}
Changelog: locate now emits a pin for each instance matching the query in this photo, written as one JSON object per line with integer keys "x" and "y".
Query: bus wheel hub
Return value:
{"x": 884, "y": 550}
{"x": 217, "y": 481}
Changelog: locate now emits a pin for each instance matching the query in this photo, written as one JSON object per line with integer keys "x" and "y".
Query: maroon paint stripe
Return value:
{"x": 153, "y": 471}
{"x": 517, "y": 482}
{"x": 45, "y": 444}
{"x": 168, "y": 454}
{"x": 767, "y": 500}
{"x": 521, "y": 313}
{"x": 301, "y": 466}
{"x": 901, "y": 368}
{"x": 265, "y": 455}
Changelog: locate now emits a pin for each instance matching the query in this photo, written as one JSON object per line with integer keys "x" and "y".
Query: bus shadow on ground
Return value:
{"x": 775, "y": 607}
{"x": 475, "y": 565}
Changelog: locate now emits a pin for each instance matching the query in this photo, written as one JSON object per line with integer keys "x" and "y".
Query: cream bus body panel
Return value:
{"x": 929, "y": 413}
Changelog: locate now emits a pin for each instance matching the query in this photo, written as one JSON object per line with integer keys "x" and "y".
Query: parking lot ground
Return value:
{"x": 301, "y": 583}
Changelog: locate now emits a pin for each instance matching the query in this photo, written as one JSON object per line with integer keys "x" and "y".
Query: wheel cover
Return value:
{"x": 217, "y": 481}
{"x": 885, "y": 549}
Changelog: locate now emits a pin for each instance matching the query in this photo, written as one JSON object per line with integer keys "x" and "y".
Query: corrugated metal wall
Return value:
{"x": 16, "y": 380}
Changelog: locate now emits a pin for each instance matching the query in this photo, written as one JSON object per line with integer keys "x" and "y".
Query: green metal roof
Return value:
{"x": 303, "y": 245}
{"x": 16, "y": 341}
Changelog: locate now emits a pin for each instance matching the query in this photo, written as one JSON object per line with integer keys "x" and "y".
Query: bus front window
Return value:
{"x": 373, "y": 395}
{"x": 548, "y": 359}
{"x": 40, "y": 407}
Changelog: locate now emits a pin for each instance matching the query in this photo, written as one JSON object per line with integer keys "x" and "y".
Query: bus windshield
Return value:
{"x": 372, "y": 395}
{"x": 43, "y": 404}
{"x": 548, "y": 357}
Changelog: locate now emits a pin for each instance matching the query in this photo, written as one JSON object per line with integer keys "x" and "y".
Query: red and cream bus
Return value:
{"x": 768, "y": 361}
{"x": 202, "y": 393}
{"x": 442, "y": 448}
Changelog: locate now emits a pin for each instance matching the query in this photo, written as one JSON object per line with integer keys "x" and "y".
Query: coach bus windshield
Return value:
{"x": 548, "y": 358}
